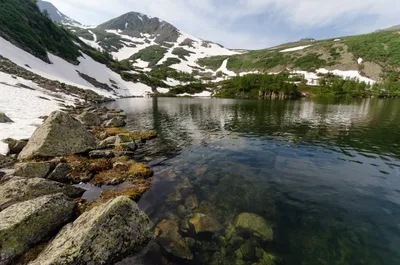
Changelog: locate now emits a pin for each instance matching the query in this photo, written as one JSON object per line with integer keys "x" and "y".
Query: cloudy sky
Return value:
{"x": 250, "y": 24}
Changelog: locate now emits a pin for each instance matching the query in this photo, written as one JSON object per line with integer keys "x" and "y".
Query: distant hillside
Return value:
{"x": 55, "y": 14}
{"x": 373, "y": 55}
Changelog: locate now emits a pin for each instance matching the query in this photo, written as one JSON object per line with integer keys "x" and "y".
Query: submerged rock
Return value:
{"x": 170, "y": 239}
{"x": 104, "y": 235}
{"x": 4, "y": 118}
{"x": 18, "y": 189}
{"x": 255, "y": 224}
{"x": 59, "y": 135}
{"x": 27, "y": 223}
{"x": 204, "y": 223}
{"x": 33, "y": 169}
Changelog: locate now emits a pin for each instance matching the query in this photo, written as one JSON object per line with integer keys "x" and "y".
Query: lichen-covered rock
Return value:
{"x": 33, "y": 169}
{"x": 204, "y": 223}
{"x": 4, "y": 118}
{"x": 255, "y": 224}
{"x": 18, "y": 189}
{"x": 170, "y": 239}
{"x": 60, "y": 173}
{"x": 6, "y": 161}
{"x": 59, "y": 135}
{"x": 104, "y": 235}
{"x": 102, "y": 154}
{"x": 89, "y": 119}
{"x": 27, "y": 223}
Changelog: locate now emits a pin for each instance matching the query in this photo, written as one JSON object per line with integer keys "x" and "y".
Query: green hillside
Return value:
{"x": 380, "y": 52}
{"x": 22, "y": 23}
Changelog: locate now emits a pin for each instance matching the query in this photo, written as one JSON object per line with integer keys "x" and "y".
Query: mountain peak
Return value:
{"x": 55, "y": 14}
{"x": 134, "y": 24}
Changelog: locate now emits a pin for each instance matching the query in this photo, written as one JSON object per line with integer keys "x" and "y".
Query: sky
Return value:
{"x": 248, "y": 24}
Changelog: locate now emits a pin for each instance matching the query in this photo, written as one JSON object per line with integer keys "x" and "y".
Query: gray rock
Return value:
{"x": 60, "y": 173}
{"x": 116, "y": 122}
{"x": 4, "y": 118}
{"x": 33, "y": 169}
{"x": 107, "y": 142}
{"x": 104, "y": 235}
{"x": 89, "y": 119}
{"x": 27, "y": 223}
{"x": 18, "y": 189}
{"x": 101, "y": 154}
{"x": 59, "y": 135}
{"x": 6, "y": 161}
{"x": 15, "y": 146}
{"x": 123, "y": 138}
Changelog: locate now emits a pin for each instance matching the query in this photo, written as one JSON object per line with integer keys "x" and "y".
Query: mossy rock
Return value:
{"x": 104, "y": 235}
{"x": 134, "y": 171}
{"x": 27, "y": 223}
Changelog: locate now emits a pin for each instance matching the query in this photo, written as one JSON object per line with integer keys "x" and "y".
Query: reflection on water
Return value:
{"x": 324, "y": 175}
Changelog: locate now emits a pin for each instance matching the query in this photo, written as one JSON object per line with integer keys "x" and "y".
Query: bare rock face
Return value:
{"x": 18, "y": 189}
{"x": 105, "y": 235}
{"x": 27, "y": 223}
{"x": 33, "y": 169}
{"x": 59, "y": 135}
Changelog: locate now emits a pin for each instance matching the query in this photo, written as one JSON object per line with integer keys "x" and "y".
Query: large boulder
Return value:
{"x": 104, "y": 235}
{"x": 18, "y": 189}
{"x": 33, "y": 169}
{"x": 89, "y": 118}
{"x": 27, "y": 223}
{"x": 60, "y": 173}
{"x": 255, "y": 224}
{"x": 59, "y": 135}
{"x": 4, "y": 118}
{"x": 167, "y": 233}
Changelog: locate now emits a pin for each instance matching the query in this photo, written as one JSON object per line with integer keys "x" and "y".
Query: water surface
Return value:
{"x": 325, "y": 174}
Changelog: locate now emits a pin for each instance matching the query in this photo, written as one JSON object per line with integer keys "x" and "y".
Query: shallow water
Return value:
{"x": 325, "y": 174}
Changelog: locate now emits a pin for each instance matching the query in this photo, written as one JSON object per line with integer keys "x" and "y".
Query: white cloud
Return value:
{"x": 216, "y": 19}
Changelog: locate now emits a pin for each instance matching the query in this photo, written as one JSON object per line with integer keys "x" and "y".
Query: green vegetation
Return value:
{"x": 192, "y": 88}
{"x": 181, "y": 53}
{"x": 22, "y": 23}
{"x": 260, "y": 86}
{"x": 380, "y": 47}
{"x": 163, "y": 72}
{"x": 152, "y": 54}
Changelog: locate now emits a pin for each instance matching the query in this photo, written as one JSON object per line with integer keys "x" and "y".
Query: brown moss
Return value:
{"x": 134, "y": 193}
{"x": 83, "y": 168}
{"x": 102, "y": 133}
{"x": 117, "y": 175}
{"x": 144, "y": 135}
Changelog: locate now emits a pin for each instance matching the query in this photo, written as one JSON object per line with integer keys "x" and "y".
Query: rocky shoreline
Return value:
{"x": 44, "y": 220}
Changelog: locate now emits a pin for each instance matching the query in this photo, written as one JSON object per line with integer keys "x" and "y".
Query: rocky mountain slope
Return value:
{"x": 148, "y": 42}
{"x": 55, "y": 15}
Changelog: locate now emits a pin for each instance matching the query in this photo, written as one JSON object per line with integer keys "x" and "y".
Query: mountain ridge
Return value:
{"x": 56, "y": 15}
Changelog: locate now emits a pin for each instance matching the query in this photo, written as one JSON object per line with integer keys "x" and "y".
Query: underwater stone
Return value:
{"x": 256, "y": 224}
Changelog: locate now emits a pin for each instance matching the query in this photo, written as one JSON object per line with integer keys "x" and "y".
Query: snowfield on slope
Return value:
{"x": 295, "y": 48}
{"x": 24, "y": 106}
{"x": 66, "y": 72}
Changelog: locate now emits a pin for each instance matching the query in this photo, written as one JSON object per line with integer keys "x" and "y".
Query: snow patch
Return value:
{"x": 224, "y": 69}
{"x": 360, "y": 61}
{"x": 24, "y": 106}
{"x": 295, "y": 48}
